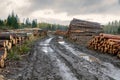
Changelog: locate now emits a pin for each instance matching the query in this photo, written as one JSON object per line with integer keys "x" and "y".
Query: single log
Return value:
{"x": 22, "y": 34}
{"x": 5, "y": 37}
{"x": 9, "y": 46}
{"x": 2, "y": 63}
{"x": 19, "y": 39}
{"x": 114, "y": 40}
{"x": 2, "y": 52}
{"x": 2, "y": 43}
{"x": 118, "y": 54}
{"x": 13, "y": 41}
{"x": 110, "y": 36}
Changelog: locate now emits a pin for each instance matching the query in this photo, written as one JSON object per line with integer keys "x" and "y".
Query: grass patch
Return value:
{"x": 23, "y": 49}
{"x": 18, "y": 50}
{"x": 13, "y": 54}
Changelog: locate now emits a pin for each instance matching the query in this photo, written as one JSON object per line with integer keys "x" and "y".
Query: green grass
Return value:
{"x": 23, "y": 49}
{"x": 13, "y": 54}
{"x": 18, "y": 50}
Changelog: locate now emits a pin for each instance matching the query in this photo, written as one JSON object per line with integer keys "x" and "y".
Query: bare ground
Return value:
{"x": 54, "y": 58}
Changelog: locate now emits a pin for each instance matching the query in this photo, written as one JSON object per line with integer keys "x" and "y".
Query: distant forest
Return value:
{"x": 13, "y": 22}
{"x": 52, "y": 27}
{"x": 112, "y": 27}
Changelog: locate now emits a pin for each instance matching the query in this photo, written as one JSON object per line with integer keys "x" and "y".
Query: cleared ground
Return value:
{"x": 57, "y": 59}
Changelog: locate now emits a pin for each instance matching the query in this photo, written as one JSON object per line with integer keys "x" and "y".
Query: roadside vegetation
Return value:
{"x": 112, "y": 27}
{"x": 19, "y": 50}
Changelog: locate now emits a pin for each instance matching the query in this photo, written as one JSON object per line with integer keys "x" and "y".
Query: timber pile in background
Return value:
{"x": 60, "y": 32}
{"x": 106, "y": 43}
{"x": 81, "y": 31}
{"x": 16, "y": 37}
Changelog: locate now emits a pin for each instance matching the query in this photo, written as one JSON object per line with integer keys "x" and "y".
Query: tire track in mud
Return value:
{"x": 39, "y": 67}
{"x": 93, "y": 67}
{"x": 52, "y": 61}
{"x": 68, "y": 60}
{"x": 27, "y": 72}
{"x": 64, "y": 70}
{"x": 106, "y": 68}
{"x": 43, "y": 68}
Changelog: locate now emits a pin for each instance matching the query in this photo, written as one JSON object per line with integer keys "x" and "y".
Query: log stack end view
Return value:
{"x": 106, "y": 43}
{"x": 16, "y": 37}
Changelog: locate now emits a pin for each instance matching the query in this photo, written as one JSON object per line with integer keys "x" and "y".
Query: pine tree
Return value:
{"x": 1, "y": 23}
{"x": 34, "y": 23}
{"x": 13, "y": 21}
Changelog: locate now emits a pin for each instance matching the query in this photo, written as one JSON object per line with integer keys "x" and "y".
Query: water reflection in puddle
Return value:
{"x": 89, "y": 58}
{"x": 65, "y": 71}
{"x": 78, "y": 53}
{"x": 45, "y": 46}
{"x": 47, "y": 49}
{"x": 61, "y": 42}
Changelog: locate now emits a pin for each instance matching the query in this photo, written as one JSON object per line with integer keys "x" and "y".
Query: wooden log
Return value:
{"x": 5, "y": 37}
{"x": 114, "y": 40}
{"x": 19, "y": 39}
{"x": 2, "y": 43}
{"x": 22, "y": 34}
{"x": 118, "y": 54}
{"x": 6, "y": 42}
{"x": 2, "y": 62}
{"x": 110, "y": 36}
{"x": 13, "y": 41}
{"x": 2, "y": 52}
{"x": 106, "y": 45}
{"x": 9, "y": 46}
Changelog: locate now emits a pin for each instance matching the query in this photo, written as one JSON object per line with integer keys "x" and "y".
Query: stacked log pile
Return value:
{"x": 106, "y": 43}
{"x": 81, "y": 31}
{"x": 61, "y": 33}
{"x": 16, "y": 37}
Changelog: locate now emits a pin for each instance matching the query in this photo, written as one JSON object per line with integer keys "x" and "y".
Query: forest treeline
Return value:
{"x": 13, "y": 22}
{"x": 112, "y": 27}
{"x": 52, "y": 27}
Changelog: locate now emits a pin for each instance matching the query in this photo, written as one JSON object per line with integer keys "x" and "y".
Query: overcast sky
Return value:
{"x": 62, "y": 11}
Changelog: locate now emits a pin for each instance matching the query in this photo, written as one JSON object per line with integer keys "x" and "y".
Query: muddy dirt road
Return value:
{"x": 55, "y": 59}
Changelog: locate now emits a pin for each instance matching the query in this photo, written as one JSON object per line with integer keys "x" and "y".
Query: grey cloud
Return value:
{"x": 54, "y": 21}
{"x": 72, "y": 7}
{"x": 76, "y": 6}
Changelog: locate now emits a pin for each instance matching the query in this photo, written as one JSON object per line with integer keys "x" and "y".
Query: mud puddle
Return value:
{"x": 64, "y": 70}
{"x": 79, "y": 54}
